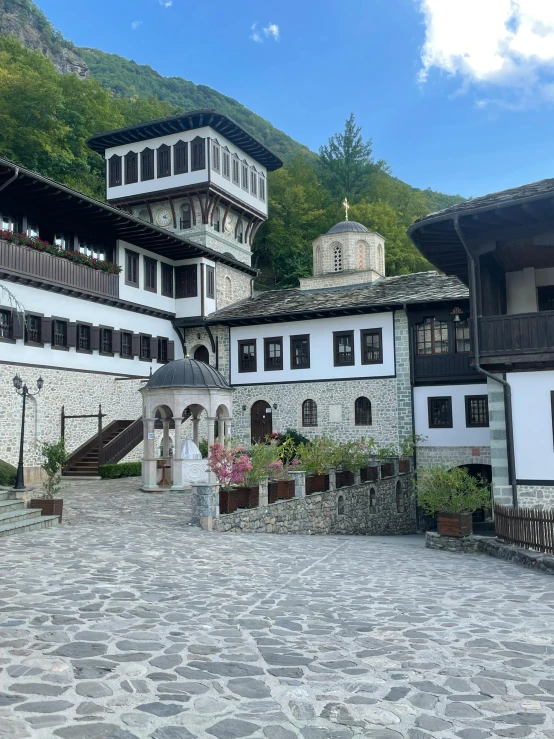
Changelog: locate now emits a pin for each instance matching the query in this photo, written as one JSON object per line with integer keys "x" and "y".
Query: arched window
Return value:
{"x": 236, "y": 170}
{"x": 228, "y": 290}
{"x": 337, "y": 258}
{"x": 181, "y": 157}
{"x": 309, "y": 413}
{"x": 372, "y": 500}
{"x": 143, "y": 213}
{"x": 131, "y": 167}
{"x": 361, "y": 255}
{"x": 362, "y": 412}
{"x": 317, "y": 259}
{"x": 399, "y": 498}
{"x": 146, "y": 164}
{"x": 197, "y": 154}
{"x": 340, "y": 505}
{"x": 164, "y": 161}
{"x": 114, "y": 171}
{"x": 185, "y": 216}
{"x": 381, "y": 259}
{"x": 202, "y": 354}
{"x": 254, "y": 181}
{"x": 215, "y": 156}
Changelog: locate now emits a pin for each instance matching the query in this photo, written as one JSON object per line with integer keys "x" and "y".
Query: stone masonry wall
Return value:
{"x": 535, "y": 496}
{"x": 403, "y": 382}
{"x": 339, "y": 279}
{"x": 452, "y": 456}
{"x": 318, "y": 513}
{"x": 240, "y": 285}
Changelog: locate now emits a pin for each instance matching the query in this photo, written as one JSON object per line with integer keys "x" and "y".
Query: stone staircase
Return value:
{"x": 16, "y": 519}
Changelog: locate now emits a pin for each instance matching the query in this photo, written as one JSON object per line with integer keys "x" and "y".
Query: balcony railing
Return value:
{"x": 521, "y": 333}
{"x": 442, "y": 366}
{"x": 23, "y": 261}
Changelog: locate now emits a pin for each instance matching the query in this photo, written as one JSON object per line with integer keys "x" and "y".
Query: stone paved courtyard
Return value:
{"x": 128, "y": 622}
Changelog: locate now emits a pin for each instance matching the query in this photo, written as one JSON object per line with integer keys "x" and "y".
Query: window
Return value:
{"x": 33, "y": 330}
{"x": 361, "y": 255}
{"x": 236, "y": 169}
{"x": 198, "y": 154}
{"x": 228, "y": 290}
{"x": 167, "y": 280}
{"x": 131, "y": 268}
{"x": 215, "y": 156}
{"x": 106, "y": 341}
{"x": 145, "y": 347}
{"x": 337, "y": 258}
{"x": 300, "y": 351}
{"x": 372, "y": 500}
{"x": 399, "y": 498}
{"x": 477, "y": 411}
{"x": 6, "y": 324}
{"x": 372, "y": 346}
{"x": 150, "y": 274}
{"x": 273, "y": 354}
{"x": 147, "y": 164}
{"x": 59, "y": 333}
{"x": 126, "y": 344}
{"x": 254, "y": 182}
{"x": 131, "y": 168}
{"x": 162, "y": 350}
{"x": 440, "y": 412}
{"x": 309, "y": 413}
{"x": 244, "y": 179}
{"x": 226, "y": 164}
{"x": 114, "y": 169}
{"x": 181, "y": 157}
{"x": 344, "y": 348}
{"x": 262, "y": 187}
{"x": 340, "y": 505}
{"x": 186, "y": 281}
{"x": 463, "y": 345}
{"x": 83, "y": 338}
{"x": 362, "y": 412}
{"x": 185, "y": 216}
{"x": 164, "y": 161}
{"x": 247, "y": 355}
{"x": 432, "y": 336}
{"x": 210, "y": 282}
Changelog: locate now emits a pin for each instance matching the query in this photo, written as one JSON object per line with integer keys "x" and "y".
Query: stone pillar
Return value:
{"x": 205, "y": 505}
{"x": 195, "y": 430}
{"x": 221, "y": 431}
{"x": 211, "y": 433}
{"x": 177, "y": 460}
{"x": 264, "y": 493}
{"x": 165, "y": 442}
{"x": 357, "y": 477}
{"x": 332, "y": 478}
{"x": 149, "y": 460}
{"x": 299, "y": 477}
{"x": 227, "y": 430}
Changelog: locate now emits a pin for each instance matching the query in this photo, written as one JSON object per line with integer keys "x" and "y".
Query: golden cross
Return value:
{"x": 346, "y": 207}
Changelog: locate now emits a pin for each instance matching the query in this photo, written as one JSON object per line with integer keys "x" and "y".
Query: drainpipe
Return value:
{"x": 12, "y": 178}
{"x": 505, "y": 385}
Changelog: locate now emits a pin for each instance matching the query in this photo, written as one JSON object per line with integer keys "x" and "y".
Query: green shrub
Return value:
{"x": 7, "y": 474}
{"x": 55, "y": 459}
{"x": 203, "y": 448}
{"x": 440, "y": 489}
{"x": 125, "y": 469}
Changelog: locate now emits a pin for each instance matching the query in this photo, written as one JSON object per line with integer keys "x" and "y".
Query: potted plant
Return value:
{"x": 55, "y": 459}
{"x": 316, "y": 458}
{"x": 350, "y": 457}
{"x": 230, "y": 467}
{"x": 452, "y": 495}
{"x": 386, "y": 456}
{"x": 407, "y": 449}
{"x": 281, "y": 485}
{"x": 261, "y": 456}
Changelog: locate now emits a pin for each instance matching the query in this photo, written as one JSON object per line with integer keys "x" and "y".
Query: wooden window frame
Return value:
{"x": 122, "y": 334}
{"x": 78, "y": 349}
{"x": 149, "y": 357}
{"x": 457, "y": 326}
{"x": 10, "y": 339}
{"x": 59, "y": 347}
{"x": 168, "y": 270}
{"x": 40, "y": 316}
{"x": 299, "y": 337}
{"x": 194, "y": 291}
{"x": 115, "y": 179}
{"x": 210, "y": 282}
{"x": 165, "y": 149}
{"x": 254, "y": 182}
{"x": 262, "y": 189}
{"x": 147, "y": 151}
{"x": 468, "y": 399}
{"x": 371, "y": 332}
{"x": 216, "y": 157}
{"x": 235, "y": 161}
{"x": 449, "y": 424}
{"x": 421, "y": 325}
{"x": 356, "y": 416}
{"x": 162, "y": 339}
{"x": 133, "y": 255}
{"x": 181, "y": 167}
{"x": 226, "y": 159}
{"x": 309, "y": 418}
{"x": 101, "y": 351}
{"x": 244, "y": 176}
{"x": 198, "y": 154}
{"x": 240, "y": 344}
{"x": 131, "y": 156}
{"x": 267, "y": 360}
{"x": 150, "y": 262}
{"x": 336, "y": 336}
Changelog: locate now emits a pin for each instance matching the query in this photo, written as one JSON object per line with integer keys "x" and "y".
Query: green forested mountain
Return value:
{"x": 47, "y": 114}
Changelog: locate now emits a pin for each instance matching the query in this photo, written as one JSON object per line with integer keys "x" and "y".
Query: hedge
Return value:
{"x": 7, "y": 474}
{"x": 125, "y": 469}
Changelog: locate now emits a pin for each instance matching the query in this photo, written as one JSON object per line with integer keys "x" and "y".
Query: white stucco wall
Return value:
{"x": 459, "y": 435}
{"x": 139, "y": 294}
{"x": 532, "y": 417}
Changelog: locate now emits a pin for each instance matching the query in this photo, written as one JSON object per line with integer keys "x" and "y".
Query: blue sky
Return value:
{"x": 456, "y": 96}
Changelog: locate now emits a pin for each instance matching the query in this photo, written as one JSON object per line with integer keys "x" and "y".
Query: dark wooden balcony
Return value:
{"x": 443, "y": 367}
{"x": 523, "y": 338}
{"x": 25, "y": 264}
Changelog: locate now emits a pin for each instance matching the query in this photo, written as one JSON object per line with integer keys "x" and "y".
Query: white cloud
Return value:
{"x": 166, "y": 3}
{"x": 508, "y": 44}
{"x": 260, "y": 34}
{"x": 135, "y": 25}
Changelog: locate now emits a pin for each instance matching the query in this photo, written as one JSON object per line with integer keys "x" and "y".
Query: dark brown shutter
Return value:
{"x": 136, "y": 345}
{"x": 154, "y": 348}
{"x": 170, "y": 351}
{"x": 116, "y": 342}
{"x": 18, "y": 325}
{"x": 46, "y": 330}
{"x": 94, "y": 337}
{"x": 71, "y": 334}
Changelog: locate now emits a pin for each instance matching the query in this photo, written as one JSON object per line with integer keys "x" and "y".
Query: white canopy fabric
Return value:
{"x": 190, "y": 450}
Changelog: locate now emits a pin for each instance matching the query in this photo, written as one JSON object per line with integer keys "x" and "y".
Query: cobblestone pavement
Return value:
{"x": 131, "y": 623}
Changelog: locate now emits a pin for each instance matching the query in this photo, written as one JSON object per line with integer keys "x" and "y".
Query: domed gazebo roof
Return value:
{"x": 347, "y": 226}
{"x": 187, "y": 373}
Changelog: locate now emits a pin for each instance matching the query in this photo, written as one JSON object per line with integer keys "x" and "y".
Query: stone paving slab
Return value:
{"x": 127, "y": 622}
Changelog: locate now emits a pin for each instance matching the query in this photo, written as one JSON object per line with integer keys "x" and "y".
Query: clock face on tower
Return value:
{"x": 163, "y": 217}
{"x": 228, "y": 225}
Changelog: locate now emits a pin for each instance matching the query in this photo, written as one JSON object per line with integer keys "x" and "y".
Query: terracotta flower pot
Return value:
{"x": 280, "y": 490}
{"x": 387, "y": 469}
{"x": 404, "y": 466}
{"x": 344, "y": 478}
{"x": 317, "y": 484}
{"x": 454, "y": 524}
{"x": 227, "y": 501}
{"x": 52, "y": 507}
{"x": 247, "y": 497}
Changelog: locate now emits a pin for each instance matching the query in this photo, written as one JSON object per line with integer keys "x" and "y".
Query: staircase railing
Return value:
{"x": 122, "y": 444}
{"x": 88, "y": 446}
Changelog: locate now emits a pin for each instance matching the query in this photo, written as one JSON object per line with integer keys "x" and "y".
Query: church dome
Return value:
{"x": 347, "y": 227}
{"x": 186, "y": 373}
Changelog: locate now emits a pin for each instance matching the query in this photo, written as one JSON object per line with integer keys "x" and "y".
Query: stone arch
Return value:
{"x": 318, "y": 267}
{"x": 202, "y": 354}
{"x": 381, "y": 259}
{"x": 337, "y": 256}
{"x": 362, "y": 249}
{"x": 340, "y": 505}
{"x": 372, "y": 500}
{"x": 227, "y": 290}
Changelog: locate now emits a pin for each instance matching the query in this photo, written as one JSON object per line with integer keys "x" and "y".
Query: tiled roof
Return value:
{"x": 420, "y": 287}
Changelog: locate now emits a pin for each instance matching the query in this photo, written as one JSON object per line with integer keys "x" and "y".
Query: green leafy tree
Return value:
{"x": 55, "y": 459}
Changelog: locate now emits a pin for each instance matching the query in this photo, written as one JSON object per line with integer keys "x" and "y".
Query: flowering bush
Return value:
{"x": 73, "y": 256}
{"x": 230, "y": 466}
{"x": 352, "y": 455}
{"x": 316, "y": 457}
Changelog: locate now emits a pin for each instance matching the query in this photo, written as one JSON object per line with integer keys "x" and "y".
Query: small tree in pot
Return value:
{"x": 407, "y": 449}
{"x": 452, "y": 495}
{"x": 315, "y": 459}
{"x": 55, "y": 459}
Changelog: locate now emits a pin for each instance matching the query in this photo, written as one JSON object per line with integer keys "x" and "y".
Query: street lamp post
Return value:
{"x": 22, "y": 389}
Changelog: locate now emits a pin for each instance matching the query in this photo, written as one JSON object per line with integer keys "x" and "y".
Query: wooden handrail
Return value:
{"x": 123, "y": 443}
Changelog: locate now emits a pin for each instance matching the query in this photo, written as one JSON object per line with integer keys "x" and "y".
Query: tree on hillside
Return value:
{"x": 346, "y": 162}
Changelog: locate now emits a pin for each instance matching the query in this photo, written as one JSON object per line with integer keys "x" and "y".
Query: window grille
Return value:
{"x": 309, "y": 413}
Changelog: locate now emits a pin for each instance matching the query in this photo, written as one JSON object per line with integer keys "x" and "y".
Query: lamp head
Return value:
{"x": 40, "y": 383}
{"x": 17, "y": 382}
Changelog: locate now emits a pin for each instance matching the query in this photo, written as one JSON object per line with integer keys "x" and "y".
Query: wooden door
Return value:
{"x": 261, "y": 420}
{"x": 202, "y": 354}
